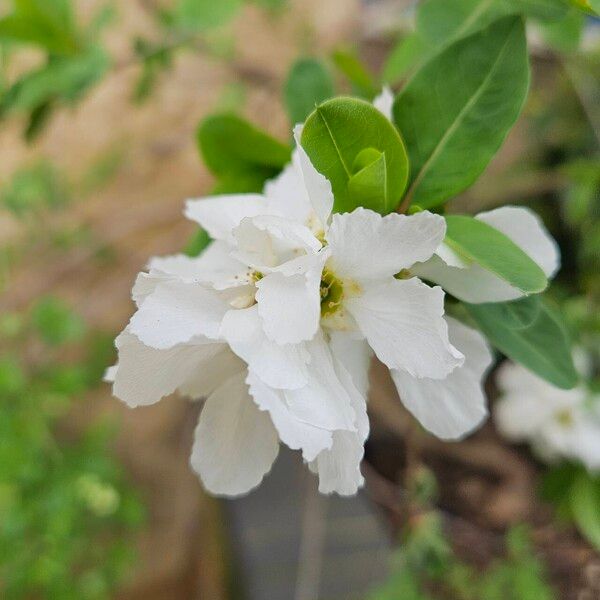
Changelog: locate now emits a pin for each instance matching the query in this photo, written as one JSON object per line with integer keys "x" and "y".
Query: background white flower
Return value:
{"x": 559, "y": 424}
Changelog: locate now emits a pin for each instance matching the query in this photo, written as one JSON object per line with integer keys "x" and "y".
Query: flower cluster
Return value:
{"x": 275, "y": 324}
{"x": 559, "y": 424}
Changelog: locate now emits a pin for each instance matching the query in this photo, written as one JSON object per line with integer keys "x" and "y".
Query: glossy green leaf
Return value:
{"x": 454, "y": 119}
{"x": 241, "y": 156}
{"x": 479, "y": 242}
{"x": 543, "y": 347}
{"x": 356, "y": 72}
{"x": 585, "y": 503}
{"x": 360, "y": 152}
{"x": 308, "y": 83}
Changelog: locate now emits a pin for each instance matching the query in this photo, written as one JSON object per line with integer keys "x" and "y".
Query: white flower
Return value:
{"x": 559, "y": 424}
{"x": 275, "y": 323}
{"x": 471, "y": 282}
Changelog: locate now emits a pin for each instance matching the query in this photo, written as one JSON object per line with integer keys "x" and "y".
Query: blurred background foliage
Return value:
{"x": 67, "y": 509}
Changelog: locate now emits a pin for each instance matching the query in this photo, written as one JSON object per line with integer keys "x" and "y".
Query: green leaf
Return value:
{"x": 308, "y": 83}
{"x": 455, "y": 119}
{"x": 438, "y": 21}
{"x": 410, "y": 51}
{"x": 360, "y": 152}
{"x": 55, "y": 322}
{"x": 369, "y": 180}
{"x": 565, "y": 35}
{"x": 205, "y": 14}
{"x": 63, "y": 78}
{"x": 240, "y": 155}
{"x": 543, "y": 347}
{"x": 355, "y": 71}
{"x": 521, "y": 313}
{"x": 46, "y": 24}
{"x": 479, "y": 242}
{"x": 197, "y": 243}
{"x": 585, "y": 500}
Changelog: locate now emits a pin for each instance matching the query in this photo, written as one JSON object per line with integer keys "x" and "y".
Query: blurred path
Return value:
{"x": 291, "y": 543}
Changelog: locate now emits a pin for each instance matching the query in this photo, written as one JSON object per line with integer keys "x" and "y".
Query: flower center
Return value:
{"x": 247, "y": 292}
{"x": 332, "y": 293}
{"x": 564, "y": 418}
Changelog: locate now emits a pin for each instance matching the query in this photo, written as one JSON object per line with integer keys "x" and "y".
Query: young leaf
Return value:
{"x": 308, "y": 84}
{"x": 478, "y": 242}
{"x": 360, "y": 152}
{"x": 455, "y": 119}
{"x": 542, "y": 347}
{"x": 239, "y": 154}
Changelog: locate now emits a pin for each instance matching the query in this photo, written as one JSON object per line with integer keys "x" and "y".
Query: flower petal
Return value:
{"x": 339, "y": 468}
{"x": 265, "y": 242}
{"x": 175, "y": 312}
{"x": 403, "y": 321}
{"x": 365, "y": 245}
{"x": 295, "y": 434}
{"x": 204, "y": 380}
{"x": 325, "y": 401}
{"x": 453, "y": 407}
{"x": 354, "y": 354}
{"x": 472, "y": 283}
{"x": 286, "y": 194}
{"x": 317, "y": 186}
{"x": 289, "y": 300}
{"x": 384, "y": 102}
{"x": 144, "y": 375}
{"x": 527, "y": 230}
{"x": 235, "y": 443}
{"x": 281, "y": 367}
{"x": 220, "y": 215}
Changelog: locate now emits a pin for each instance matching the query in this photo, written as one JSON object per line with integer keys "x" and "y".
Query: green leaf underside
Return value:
{"x": 543, "y": 347}
{"x": 308, "y": 84}
{"x": 521, "y": 313}
{"x": 240, "y": 155}
{"x": 479, "y": 242}
{"x": 337, "y": 140}
{"x": 456, "y": 111}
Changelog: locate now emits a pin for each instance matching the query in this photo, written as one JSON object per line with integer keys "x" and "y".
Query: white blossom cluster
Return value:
{"x": 276, "y": 321}
{"x": 559, "y": 424}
